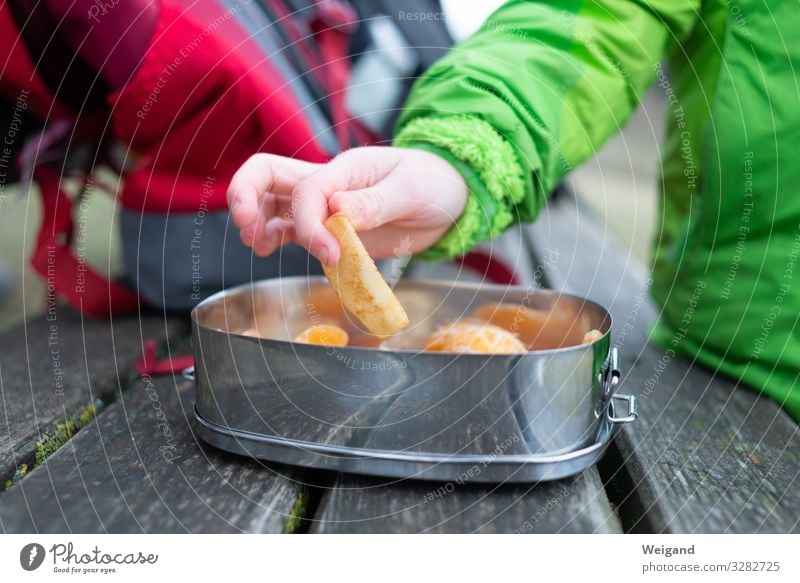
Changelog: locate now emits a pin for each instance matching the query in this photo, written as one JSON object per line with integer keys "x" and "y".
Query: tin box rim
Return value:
{"x": 241, "y": 288}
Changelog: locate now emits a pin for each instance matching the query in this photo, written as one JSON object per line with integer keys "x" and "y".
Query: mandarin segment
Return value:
{"x": 538, "y": 329}
{"x": 323, "y": 334}
{"x": 591, "y": 336}
{"x": 475, "y": 338}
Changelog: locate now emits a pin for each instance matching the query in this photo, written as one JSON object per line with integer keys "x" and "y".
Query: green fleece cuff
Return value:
{"x": 474, "y": 224}
{"x": 488, "y": 165}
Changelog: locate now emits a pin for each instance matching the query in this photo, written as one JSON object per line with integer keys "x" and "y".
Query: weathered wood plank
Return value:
{"x": 704, "y": 455}
{"x": 364, "y": 505}
{"x": 139, "y": 468}
{"x": 54, "y": 366}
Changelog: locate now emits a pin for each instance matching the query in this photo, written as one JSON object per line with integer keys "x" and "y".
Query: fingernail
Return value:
{"x": 324, "y": 255}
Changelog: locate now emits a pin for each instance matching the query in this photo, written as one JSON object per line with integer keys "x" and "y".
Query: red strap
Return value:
{"x": 492, "y": 268}
{"x": 84, "y": 289}
{"x": 334, "y": 23}
{"x": 149, "y": 364}
{"x": 286, "y": 21}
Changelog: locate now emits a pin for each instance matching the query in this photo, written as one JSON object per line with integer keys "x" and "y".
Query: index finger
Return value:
{"x": 263, "y": 173}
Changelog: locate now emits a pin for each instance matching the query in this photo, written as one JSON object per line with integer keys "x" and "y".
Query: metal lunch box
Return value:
{"x": 390, "y": 409}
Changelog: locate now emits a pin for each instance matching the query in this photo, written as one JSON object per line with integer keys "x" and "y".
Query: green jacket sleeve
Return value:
{"x": 533, "y": 94}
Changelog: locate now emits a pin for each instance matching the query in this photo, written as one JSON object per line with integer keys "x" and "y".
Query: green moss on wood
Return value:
{"x": 22, "y": 469}
{"x": 52, "y": 442}
{"x": 297, "y": 514}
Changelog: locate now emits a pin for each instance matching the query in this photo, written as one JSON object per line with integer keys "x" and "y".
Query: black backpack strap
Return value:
{"x": 421, "y": 24}
{"x": 420, "y": 21}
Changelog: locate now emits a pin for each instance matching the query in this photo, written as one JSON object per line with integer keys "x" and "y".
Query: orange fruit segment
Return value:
{"x": 591, "y": 336}
{"x": 538, "y": 329}
{"x": 475, "y": 338}
{"x": 323, "y": 334}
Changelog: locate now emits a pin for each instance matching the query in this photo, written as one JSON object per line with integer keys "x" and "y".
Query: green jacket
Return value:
{"x": 543, "y": 84}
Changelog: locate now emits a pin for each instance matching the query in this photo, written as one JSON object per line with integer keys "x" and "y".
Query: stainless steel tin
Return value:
{"x": 396, "y": 411}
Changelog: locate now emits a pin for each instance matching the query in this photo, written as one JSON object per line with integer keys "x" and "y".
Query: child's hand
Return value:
{"x": 395, "y": 197}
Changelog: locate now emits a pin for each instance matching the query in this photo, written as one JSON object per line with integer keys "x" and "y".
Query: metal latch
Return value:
{"x": 188, "y": 373}
{"x": 611, "y": 374}
{"x": 609, "y": 380}
{"x": 633, "y": 409}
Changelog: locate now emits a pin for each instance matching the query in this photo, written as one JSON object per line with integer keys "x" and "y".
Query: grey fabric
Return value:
{"x": 379, "y": 78}
{"x": 174, "y": 261}
{"x": 6, "y": 281}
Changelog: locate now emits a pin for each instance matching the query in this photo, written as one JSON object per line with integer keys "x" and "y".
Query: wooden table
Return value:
{"x": 88, "y": 446}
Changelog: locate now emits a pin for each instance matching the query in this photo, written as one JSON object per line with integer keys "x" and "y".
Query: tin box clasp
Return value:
{"x": 633, "y": 409}
{"x": 611, "y": 376}
{"x": 188, "y": 373}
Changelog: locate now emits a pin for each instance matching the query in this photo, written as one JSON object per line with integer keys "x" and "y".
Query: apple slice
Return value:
{"x": 360, "y": 286}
